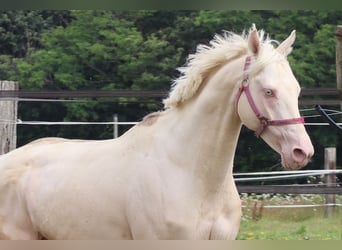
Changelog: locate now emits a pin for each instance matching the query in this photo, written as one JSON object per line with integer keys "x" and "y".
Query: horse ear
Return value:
{"x": 253, "y": 42}
{"x": 285, "y": 47}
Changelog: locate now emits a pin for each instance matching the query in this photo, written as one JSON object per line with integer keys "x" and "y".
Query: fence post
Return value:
{"x": 330, "y": 179}
{"x": 8, "y": 117}
{"x": 339, "y": 60}
{"x": 115, "y": 127}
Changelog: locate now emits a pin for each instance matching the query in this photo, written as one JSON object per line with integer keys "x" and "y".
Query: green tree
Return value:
{"x": 98, "y": 50}
{"x": 140, "y": 50}
{"x": 20, "y": 32}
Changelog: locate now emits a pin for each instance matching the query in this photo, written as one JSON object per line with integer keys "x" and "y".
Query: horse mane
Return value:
{"x": 221, "y": 49}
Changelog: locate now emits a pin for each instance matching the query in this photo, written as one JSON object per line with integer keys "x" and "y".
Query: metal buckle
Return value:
{"x": 245, "y": 81}
{"x": 263, "y": 121}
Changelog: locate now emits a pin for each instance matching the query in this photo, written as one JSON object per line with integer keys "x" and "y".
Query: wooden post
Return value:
{"x": 339, "y": 60}
{"x": 330, "y": 164}
{"x": 8, "y": 117}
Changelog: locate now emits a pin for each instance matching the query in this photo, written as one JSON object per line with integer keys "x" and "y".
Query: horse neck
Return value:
{"x": 203, "y": 132}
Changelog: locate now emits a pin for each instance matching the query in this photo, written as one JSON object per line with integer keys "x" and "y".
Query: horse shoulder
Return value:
{"x": 17, "y": 162}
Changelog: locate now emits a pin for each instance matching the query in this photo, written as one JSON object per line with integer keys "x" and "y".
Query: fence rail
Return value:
{"x": 129, "y": 93}
{"x": 288, "y": 189}
{"x": 330, "y": 187}
{"x": 82, "y": 93}
{"x": 62, "y": 94}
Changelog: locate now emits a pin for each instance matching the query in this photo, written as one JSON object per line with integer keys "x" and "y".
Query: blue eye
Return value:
{"x": 269, "y": 92}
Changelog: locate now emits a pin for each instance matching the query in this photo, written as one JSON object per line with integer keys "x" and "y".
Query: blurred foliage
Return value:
{"x": 140, "y": 50}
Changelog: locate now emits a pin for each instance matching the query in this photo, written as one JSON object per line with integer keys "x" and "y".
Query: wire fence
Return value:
{"x": 21, "y": 122}
{"x": 300, "y": 205}
{"x": 281, "y": 175}
{"x": 286, "y": 175}
{"x": 238, "y": 177}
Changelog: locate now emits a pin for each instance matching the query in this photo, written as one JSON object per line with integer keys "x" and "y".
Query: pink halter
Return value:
{"x": 264, "y": 121}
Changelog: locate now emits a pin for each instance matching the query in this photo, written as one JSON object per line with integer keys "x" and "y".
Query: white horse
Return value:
{"x": 170, "y": 176}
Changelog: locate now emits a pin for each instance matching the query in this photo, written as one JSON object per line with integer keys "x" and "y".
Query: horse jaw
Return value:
{"x": 295, "y": 151}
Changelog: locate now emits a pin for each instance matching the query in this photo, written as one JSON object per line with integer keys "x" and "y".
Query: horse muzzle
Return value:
{"x": 298, "y": 157}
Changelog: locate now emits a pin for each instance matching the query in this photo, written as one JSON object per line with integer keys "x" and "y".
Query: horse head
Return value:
{"x": 267, "y": 101}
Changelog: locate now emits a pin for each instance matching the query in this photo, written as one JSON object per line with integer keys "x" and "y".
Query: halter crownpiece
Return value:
{"x": 264, "y": 121}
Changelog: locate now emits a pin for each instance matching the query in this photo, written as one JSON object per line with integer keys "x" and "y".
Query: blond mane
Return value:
{"x": 221, "y": 50}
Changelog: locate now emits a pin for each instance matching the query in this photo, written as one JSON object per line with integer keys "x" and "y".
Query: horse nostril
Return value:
{"x": 299, "y": 155}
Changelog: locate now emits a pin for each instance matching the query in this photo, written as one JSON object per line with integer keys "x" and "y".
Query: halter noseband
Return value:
{"x": 264, "y": 121}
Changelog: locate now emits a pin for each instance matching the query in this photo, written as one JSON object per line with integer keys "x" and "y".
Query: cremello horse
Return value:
{"x": 170, "y": 176}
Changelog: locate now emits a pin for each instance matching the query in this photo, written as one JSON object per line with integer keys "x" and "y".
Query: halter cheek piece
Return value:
{"x": 264, "y": 121}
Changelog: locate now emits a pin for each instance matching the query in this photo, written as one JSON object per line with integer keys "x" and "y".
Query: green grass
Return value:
{"x": 309, "y": 229}
{"x": 289, "y": 223}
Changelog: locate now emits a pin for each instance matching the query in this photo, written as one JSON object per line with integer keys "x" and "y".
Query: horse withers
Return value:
{"x": 170, "y": 176}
